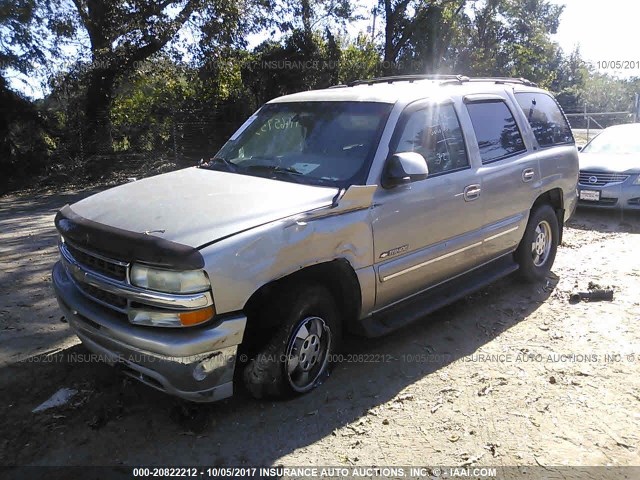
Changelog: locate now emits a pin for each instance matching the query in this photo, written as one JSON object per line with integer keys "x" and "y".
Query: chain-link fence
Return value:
{"x": 160, "y": 142}
{"x": 133, "y": 145}
{"x": 588, "y": 122}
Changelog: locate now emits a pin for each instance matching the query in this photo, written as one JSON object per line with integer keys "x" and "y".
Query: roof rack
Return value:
{"x": 520, "y": 80}
{"x": 410, "y": 79}
{"x": 442, "y": 78}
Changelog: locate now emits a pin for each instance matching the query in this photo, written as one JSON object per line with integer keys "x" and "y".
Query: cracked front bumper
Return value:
{"x": 195, "y": 363}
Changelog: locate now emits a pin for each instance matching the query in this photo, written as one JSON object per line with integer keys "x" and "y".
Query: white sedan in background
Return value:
{"x": 610, "y": 169}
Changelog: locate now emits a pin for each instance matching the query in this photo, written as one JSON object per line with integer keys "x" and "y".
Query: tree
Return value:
{"x": 302, "y": 62}
{"x": 310, "y": 16}
{"x": 419, "y": 29}
{"x": 359, "y": 60}
{"x": 22, "y": 147}
{"x": 122, "y": 34}
{"x": 509, "y": 38}
{"x": 571, "y": 81}
{"x": 477, "y": 46}
{"x": 528, "y": 47}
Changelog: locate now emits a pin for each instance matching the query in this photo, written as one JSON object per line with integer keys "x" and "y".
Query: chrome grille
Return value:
{"x": 106, "y": 281}
{"x": 598, "y": 179}
{"x": 105, "y": 298}
{"x": 86, "y": 261}
{"x": 110, "y": 268}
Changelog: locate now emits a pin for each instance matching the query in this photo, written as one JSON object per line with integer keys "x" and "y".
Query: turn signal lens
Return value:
{"x": 195, "y": 317}
{"x": 167, "y": 318}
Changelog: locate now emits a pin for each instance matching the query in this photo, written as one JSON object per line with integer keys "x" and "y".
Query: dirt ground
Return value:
{"x": 512, "y": 375}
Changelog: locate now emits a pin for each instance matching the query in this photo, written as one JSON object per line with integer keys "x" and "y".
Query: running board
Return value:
{"x": 422, "y": 304}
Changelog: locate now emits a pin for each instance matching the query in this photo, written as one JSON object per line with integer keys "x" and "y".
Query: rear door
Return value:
{"x": 427, "y": 231}
{"x": 510, "y": 174}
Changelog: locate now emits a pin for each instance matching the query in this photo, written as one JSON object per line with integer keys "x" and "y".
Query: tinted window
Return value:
{"x": 547, "y": 121}
{"x": 434, "y": 133}
{"x": 496, "y": 130}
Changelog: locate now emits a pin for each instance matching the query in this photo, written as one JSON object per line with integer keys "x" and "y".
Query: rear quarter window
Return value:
{"x": 547, "y": 121}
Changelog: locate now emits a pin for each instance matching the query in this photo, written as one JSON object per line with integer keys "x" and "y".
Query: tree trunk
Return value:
{"x": 97, "y": 107}
{"x": 388, "y": 64}
{"x": 307, "y": 13}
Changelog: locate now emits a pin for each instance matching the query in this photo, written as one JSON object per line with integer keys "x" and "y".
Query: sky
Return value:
{"x": 602, "y": 30}
{"x": 605, "y": 31}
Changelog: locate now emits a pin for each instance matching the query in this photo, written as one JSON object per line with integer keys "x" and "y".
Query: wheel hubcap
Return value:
{"x": 307, "y": 351}
{"x": 541, "y": 245}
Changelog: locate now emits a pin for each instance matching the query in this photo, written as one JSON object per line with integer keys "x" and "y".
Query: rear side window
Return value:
{"x": 549, "y": 125}
{"x": 496, "y": 130}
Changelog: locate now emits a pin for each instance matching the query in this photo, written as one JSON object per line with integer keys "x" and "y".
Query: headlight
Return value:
{"x": 168, "y": 281}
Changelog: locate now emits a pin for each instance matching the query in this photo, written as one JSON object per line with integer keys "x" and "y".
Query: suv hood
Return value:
{"x": 196, "y": 206}
{"x": 610, "y": 162}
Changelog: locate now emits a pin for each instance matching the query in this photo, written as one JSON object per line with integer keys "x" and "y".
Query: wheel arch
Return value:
{"x": 338, "y": 276}
{"x": 555, "y": 198}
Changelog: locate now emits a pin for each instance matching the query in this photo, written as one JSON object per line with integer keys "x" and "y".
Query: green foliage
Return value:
{"x": 359, "y": 60}
{"x": 158, "y": 79}
{"x": 508, "y": 38}
{"x": 302, "y": 62}
{"x": 23, "y": 151}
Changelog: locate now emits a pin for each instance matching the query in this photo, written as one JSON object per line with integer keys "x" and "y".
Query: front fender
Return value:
{"x": 238, "y": 266}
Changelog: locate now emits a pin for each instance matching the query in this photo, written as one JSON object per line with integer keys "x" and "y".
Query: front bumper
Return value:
{"x": 619, "y": 196}
{"x": 195, "y": 363}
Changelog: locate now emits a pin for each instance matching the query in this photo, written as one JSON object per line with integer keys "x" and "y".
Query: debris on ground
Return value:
{"x": 191, "y": 417}
{"x": 58, "y": 399}
{"x": 594, "y": 293}
{"x": 485, "y": 390}
{"x": 472, "y": 460}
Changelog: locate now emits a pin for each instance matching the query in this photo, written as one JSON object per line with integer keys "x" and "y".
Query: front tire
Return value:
{"x": 297, "y": 357}
{"x": 537, "y": 250}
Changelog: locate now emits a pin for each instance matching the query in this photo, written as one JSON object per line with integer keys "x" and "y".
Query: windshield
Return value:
{"x": 319, "y": 143}
{"x": 618, "y": 141}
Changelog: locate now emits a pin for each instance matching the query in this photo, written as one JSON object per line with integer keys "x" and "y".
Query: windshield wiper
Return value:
{"x": 231, "y": 167}
{"x": 276, "y": 169}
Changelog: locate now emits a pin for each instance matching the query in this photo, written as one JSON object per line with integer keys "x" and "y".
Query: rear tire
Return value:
{"x": 296, "y": 359}
{"x": 537, "y": 249}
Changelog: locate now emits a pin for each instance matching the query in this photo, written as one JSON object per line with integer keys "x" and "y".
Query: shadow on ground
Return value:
{"x": 115, "y": 421}
{"x": 28, "y": 312}
{"x": 605, "y": 221}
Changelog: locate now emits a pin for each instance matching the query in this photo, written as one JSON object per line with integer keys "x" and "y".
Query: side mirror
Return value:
{"x": 580, "y": 147}
{"x": 403, "y": 168}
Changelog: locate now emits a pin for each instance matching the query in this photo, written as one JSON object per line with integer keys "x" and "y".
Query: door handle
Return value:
{"x": 528, "y": 174}
{"x": 471, "y": 192}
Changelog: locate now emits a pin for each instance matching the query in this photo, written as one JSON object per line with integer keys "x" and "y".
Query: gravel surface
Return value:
{"x": 512, "y": 375}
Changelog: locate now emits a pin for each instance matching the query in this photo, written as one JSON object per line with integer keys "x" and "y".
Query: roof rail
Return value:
{"x": 520, "y": 80}
{"x": 443, "y": 78}
{"x": 410, "y": 79}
